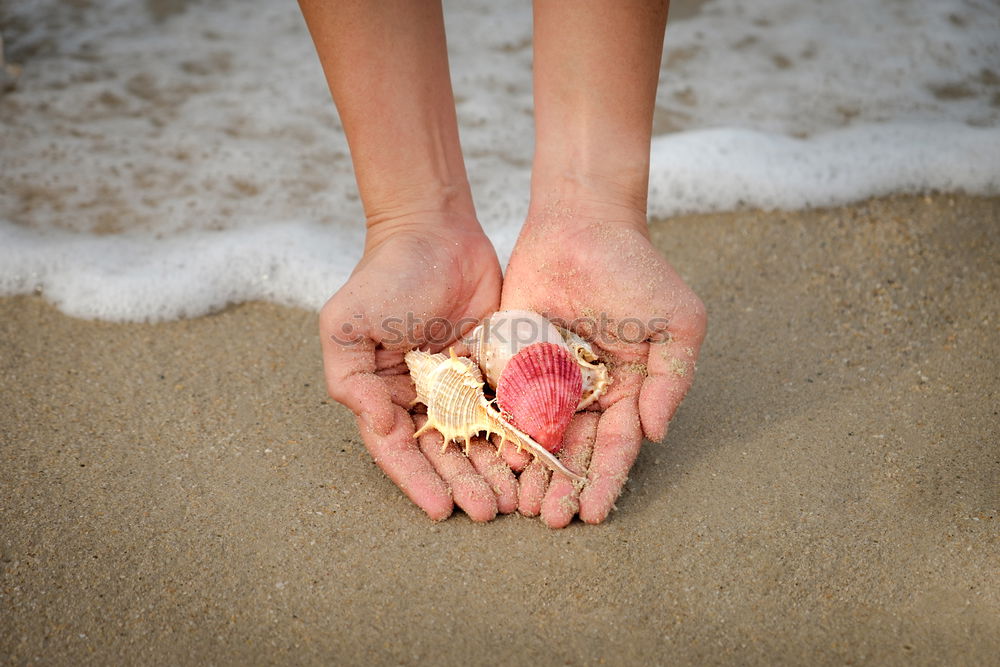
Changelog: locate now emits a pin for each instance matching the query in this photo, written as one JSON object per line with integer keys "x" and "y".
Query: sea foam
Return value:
{"x": 156, "y": 165}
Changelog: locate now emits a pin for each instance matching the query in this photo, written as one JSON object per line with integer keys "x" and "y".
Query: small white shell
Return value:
{"x": 505, "y": 333}
{"x": 595, "y": 374}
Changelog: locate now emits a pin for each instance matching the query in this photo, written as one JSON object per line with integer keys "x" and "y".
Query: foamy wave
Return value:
{"x": 163, "y": 160}
{"x": 723, "y": 169}
{"x": 133, "y": 277}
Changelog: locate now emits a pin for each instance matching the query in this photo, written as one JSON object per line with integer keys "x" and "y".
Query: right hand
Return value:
{"x": 417, "y": 283}
{"x": 610, "y": 275}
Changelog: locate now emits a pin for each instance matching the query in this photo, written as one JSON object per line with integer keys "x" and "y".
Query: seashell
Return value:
{"x": 539, "y": 390}
{"x": 503, "y": 334}
{"x": 595, "y": 374}
{"x": 452, "y": 389}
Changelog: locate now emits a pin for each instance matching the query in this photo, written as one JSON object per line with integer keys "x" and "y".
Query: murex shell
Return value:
{"x": 452, "y": 389}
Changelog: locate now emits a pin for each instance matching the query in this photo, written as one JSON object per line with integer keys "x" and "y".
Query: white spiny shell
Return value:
{"x": 452, "y": 389}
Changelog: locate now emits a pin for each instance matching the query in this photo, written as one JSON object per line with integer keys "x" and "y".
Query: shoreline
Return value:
{"x": 828, "y": 492}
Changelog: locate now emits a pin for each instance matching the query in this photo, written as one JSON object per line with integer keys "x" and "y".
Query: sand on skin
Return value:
{"x": 828, "y": 493}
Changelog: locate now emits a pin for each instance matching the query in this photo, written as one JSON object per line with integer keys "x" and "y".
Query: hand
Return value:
{"x": 594, "y": 267}
{"x": 429, "y": 274}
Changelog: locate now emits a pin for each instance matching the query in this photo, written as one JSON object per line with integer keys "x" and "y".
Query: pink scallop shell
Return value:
{"x": 539, "y": 391}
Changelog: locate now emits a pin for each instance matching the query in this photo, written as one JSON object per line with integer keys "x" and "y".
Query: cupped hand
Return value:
{"x": 420, "y": 284}
{"x": 595, "y": 269}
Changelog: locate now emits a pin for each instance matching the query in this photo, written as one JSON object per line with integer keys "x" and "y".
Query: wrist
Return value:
{"x": 592, "y": 178}
{"x": 445, "y": 217}
{"x": 421, "y": 172}
{"x": 569, "y": 202}
{"x": 439, "y": 203}
{"x": 579, "y": 166}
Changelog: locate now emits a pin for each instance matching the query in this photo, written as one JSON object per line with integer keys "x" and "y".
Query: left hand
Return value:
{"x": 600, "y": 273}
{"x": 414, "y": 288}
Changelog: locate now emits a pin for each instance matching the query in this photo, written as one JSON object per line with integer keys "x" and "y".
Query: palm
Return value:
{"x": 414, "y": 290}
{"x": 615, "y": 289}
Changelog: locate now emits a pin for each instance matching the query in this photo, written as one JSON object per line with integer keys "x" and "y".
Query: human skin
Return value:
{"x": 584, "y": 251}
{"x": 425, "y": 253}
{"x": 596, "y": 69}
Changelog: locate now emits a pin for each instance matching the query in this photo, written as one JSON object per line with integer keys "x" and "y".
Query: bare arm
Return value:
{"x": 584, "y": 250}
{"x": 386, "y": 63}
{"x": 596, "y": 66}
{"x": 426, "y": 258}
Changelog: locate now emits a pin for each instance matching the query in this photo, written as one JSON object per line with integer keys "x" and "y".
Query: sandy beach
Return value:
{"x": 828, "y": 493}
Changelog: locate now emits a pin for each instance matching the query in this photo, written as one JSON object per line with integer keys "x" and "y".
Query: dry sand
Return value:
{"x": 828, "y": 493}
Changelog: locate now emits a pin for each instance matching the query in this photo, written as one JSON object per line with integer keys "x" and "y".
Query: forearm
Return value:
{"x": 386, "y": 63}
{"x": 596, "y": 68}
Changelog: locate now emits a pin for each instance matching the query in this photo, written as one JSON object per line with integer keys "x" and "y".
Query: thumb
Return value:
{"x": 670, "y": 371}
{"x": 367, "y": 396}
{"x": 349, "y": 368}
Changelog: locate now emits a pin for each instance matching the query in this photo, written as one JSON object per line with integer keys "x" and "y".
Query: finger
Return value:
{"x": 349, "y": 367}
{"x": 401, "y": 390}
{"x": 468, "y": 488}
{"x": 516, "y": 459}
{"x": 496, "y": 473}
{"x": 390, "y": 361}
{"x": 562, "y": 500}
{"x": 531, "y": 488}
{"x": 670, "y": 371}
{"x": 619, "y": 436}
{"x": 399, "y": 457}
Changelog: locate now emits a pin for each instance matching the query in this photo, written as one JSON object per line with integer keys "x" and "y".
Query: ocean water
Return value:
{"x": 163, "y": 159}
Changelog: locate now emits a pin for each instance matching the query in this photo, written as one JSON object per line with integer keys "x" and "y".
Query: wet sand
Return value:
{"x": 828, "y": 493}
